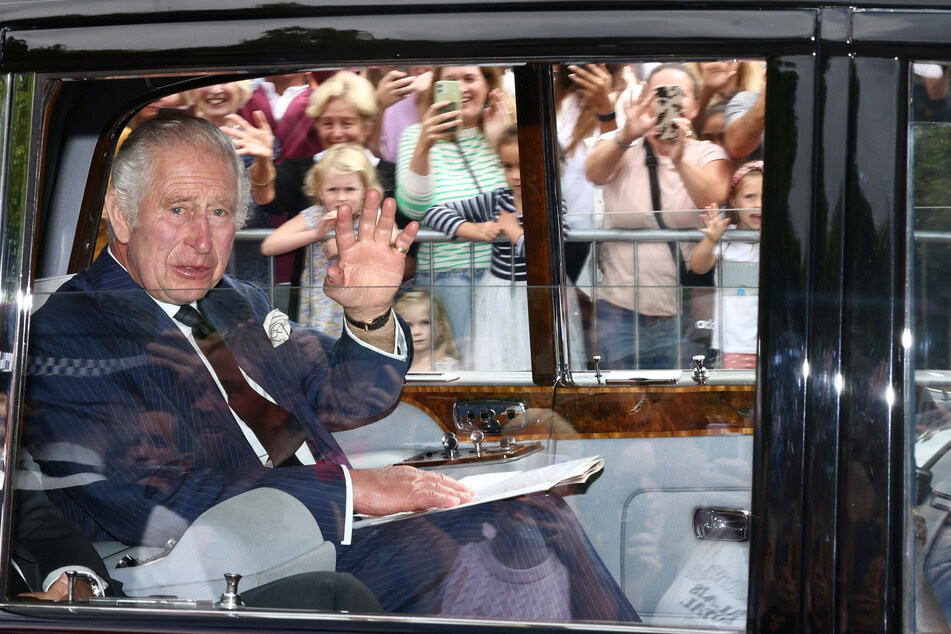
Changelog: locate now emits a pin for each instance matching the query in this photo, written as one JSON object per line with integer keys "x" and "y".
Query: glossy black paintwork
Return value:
{"x": 871, "y": 429}
{"x": 826, "y": 252}
{"x": 53, "y": 13}
{"x": 778, "y": 440}
{"x": 515, "y": 34}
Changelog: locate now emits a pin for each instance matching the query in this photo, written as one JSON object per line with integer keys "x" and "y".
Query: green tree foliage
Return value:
{"x": 931, "y": 197}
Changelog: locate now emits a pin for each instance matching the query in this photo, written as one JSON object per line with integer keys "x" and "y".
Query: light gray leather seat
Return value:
{"x": 263, "y": 534}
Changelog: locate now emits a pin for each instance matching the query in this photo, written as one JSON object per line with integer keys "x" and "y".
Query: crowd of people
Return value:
{"x": 633, "y": 304}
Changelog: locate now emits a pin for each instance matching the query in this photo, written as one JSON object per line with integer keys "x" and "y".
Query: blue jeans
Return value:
{"x": 454, "y": 287}
{"x": 652, "y": 346}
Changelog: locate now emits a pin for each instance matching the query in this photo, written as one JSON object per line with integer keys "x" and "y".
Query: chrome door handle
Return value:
{"x": 721, "y": 524}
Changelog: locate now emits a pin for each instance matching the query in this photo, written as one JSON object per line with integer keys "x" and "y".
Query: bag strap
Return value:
{"x": 469, "y": 169}
{"x": 650, "y": 160}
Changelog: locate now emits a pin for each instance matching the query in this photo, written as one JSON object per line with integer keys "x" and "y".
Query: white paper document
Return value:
{"x": 500, "y": 485}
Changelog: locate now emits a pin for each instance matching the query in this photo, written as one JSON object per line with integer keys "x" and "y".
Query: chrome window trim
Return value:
{"x": 20, "y": 128}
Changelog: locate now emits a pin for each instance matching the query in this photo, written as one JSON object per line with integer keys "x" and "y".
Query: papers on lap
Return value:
{"x": 500, "y": 485}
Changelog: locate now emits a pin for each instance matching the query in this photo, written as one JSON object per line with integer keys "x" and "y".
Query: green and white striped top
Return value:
{"x": 449, "y": 180}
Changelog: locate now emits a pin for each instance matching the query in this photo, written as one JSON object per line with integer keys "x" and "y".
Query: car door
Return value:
{"x": 819, "y": 414}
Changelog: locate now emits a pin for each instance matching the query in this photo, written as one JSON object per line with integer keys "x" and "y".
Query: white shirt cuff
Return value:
{"x": 53, "y": 576}
{"x": 348, "y": 521}
{"x": 400, "y": 351}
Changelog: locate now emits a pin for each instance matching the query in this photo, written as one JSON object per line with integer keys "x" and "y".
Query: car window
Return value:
{"x": 930, "y": 127}
{"x": 135, "y": 432}
{"x": 648, "y": 303}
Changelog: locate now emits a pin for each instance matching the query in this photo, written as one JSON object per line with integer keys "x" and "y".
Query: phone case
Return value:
{"x": 668, "y": 108}
{"x": 445, "y": 90}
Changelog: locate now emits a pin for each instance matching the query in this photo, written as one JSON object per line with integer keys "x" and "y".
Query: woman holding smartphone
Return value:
{"x": 437, "y": 164}
{"x": 637, "y": 307}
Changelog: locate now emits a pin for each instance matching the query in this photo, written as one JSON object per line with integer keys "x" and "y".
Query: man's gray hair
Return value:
{"x": 132, "y": 173}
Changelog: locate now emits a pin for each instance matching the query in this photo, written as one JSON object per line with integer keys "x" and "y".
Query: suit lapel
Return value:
{"x": 276, "y": 369}
{"x": 171, "y": 363}
{"x": 232, "y": 310}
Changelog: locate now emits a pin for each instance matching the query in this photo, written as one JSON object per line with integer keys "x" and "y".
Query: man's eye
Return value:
{"x": 177, "y": 211}
{"x": 220, "y": 213}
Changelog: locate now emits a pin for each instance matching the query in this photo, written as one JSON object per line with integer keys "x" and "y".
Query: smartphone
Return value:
{"x": 445, "y": 90}
{"x": 668, "y": 108}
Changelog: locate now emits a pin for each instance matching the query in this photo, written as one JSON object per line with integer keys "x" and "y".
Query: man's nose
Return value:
{"x": 199, "y": 236}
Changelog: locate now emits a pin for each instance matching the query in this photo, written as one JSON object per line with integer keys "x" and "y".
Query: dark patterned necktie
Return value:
{"x": 279, "y": 431}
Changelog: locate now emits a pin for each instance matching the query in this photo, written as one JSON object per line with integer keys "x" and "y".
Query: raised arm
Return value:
{"x": 470, "y": 218}
{"x": 255, "y": 140}
{"x": 703, "y": 258}
{"x": 602, "y": 163}
{"x": 414, "y": 178}
{"x": 391, "y": 89}
{"x": 295, "y": 233}
{"x": 369, "y": 267}
{"x": 596, "y": 86}
{"x": 706, "y": 185}
{"x": 744, "y": 134}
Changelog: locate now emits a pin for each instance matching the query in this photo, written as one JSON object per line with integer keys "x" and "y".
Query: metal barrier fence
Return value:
{"x": 589, "y": 286}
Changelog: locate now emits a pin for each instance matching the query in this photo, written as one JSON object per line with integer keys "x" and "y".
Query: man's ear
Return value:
{"x": 117, "y": 220}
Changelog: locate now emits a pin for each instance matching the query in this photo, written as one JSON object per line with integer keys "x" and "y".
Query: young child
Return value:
{"x": 433, "y": 344}
{"x": 342, "y": 176}
{"x": 735, "y": 317}
{"x": 500, "y": 309}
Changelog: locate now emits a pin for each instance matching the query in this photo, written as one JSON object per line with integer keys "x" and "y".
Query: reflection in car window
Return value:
{"x": 929, "y": 134}
{"x": 150, "y": 428}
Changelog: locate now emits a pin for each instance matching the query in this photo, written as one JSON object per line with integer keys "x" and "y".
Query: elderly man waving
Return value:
{"x": 162, "y": 386}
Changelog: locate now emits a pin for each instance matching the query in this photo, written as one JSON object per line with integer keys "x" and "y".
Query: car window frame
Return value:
{"x": 788, "y": 445}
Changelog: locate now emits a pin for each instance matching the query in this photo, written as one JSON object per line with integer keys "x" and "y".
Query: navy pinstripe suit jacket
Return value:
{"x": 133, "y": 435}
